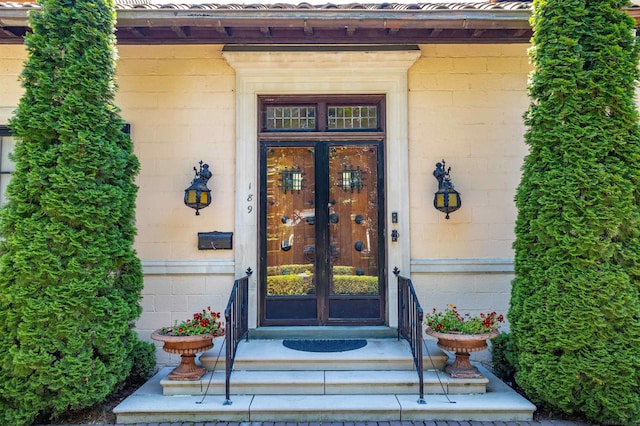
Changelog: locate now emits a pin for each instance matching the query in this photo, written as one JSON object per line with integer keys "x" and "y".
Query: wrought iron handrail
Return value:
{"x": 410, "y": 317}
{"x": 237, "y": 325}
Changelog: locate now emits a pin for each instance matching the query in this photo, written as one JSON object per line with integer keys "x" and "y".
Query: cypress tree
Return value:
{"x": 575, "y": 304}
{"x": 70, "y": 281}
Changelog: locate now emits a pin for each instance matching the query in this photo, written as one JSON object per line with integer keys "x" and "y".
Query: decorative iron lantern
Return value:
{"x": 446, "y": 199}
{"x": 198, "y": 196}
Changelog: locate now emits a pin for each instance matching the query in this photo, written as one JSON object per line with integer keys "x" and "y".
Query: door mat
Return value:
{"x": 332, "y": 345}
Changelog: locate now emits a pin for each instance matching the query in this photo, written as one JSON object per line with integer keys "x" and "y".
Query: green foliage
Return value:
{"x": 143, "y": 358}
{"x": 298, "y": 281}
{"x": 70, "y": 281}
{"x": 355, "y": 284}
{"x": 289, "y": 285}
{"x": 342, "y": 270}
{"x": 204, "y": 322}
{"x": 451, "y": 321}
{"x": 575, "y": 309}
{"x": 305, "y": 269}
{"x": 290, "y": 269}
{"x": 503, "y": 357}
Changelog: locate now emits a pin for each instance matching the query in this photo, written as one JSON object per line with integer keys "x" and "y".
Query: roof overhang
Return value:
{"x": 157, "y": 22}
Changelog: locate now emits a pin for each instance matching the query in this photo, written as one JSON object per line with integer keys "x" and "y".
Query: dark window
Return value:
{"x": 7, "y": 144}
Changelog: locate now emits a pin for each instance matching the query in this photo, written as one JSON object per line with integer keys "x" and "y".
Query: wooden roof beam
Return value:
{"x": 8, "y": 32}
{"x": 308, "y": 29}
{"x": 182, "y": 32}
{"x": 520, "y": 32}
{"x": 223, "y": 30}
{"x": 139, "y": 32}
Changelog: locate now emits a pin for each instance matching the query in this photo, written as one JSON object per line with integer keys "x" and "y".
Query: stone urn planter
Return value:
{"x": 462, "y": 345}
{"x": 187, "y": 347}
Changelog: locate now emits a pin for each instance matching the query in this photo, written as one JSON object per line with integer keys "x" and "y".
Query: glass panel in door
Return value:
{"x": 290, "y": 233}
{"x": 354, "y": 232}
{"x": 321, "y": 234}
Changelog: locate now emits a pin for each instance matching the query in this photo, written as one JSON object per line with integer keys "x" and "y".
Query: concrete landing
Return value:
{"x": 147, "y": 404}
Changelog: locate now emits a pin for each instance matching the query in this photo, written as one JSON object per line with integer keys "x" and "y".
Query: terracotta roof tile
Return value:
{"x": 199, "y": 5}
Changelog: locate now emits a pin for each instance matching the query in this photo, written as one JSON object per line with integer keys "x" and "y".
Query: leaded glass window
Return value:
{"x": 290, "y": 118}
{"x": 353, "y": 117}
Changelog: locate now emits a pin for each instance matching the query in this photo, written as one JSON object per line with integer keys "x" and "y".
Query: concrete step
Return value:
{"x": 378, "y": 354}
{"x": 499, "y": 403}
{"x": 383, "y": 366}
{"x": 295, "y": 382}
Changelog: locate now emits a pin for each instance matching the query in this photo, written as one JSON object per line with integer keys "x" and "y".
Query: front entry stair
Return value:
{"x": 375, "y": 383}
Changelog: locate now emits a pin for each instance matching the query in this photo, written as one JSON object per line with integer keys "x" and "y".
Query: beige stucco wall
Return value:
{"x": 180, "y": 103}
{"x": 12, "y": 59}
{"x": 465, "y": 105}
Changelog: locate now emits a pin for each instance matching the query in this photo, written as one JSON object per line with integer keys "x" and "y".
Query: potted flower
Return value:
{"x": 462, "y": 334}
{"x": 187, "y": 339}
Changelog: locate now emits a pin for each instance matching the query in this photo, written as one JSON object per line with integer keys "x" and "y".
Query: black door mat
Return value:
{"x": 332, "y": 345}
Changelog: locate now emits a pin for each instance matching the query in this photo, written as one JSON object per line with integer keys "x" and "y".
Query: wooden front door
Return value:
{"x": 322, "y": 229}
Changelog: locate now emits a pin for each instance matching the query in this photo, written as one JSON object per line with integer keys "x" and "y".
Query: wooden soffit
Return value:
{"x": 161, "y": 22}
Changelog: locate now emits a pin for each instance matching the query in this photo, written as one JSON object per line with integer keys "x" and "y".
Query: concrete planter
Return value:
{"x": 462, "y": 345}
{"x": 187, "y": 347}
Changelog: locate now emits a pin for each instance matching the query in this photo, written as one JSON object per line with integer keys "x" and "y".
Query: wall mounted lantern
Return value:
{"x": 198, "y": 196}
{"x": 447, "y": 199}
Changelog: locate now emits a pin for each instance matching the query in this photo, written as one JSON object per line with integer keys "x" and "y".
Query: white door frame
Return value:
{"x": 322, "y": 73}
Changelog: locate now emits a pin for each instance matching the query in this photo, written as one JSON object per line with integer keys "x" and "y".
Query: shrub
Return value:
{"x": 144, "y": 362}
{"x": 574, "y": 311}
{"x": 503, "y": 357}
{"x": 70, "y": 281}
{"x": 355, "y": 284}
{"x": 342, "y": 270}
{"x": 289, "y": 285}
{"x": 290, "y": 269}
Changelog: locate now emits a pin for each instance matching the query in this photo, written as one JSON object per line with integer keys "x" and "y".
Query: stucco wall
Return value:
{"x": 465, "y": 105}
{"x": 12, "y": 59}
{"x": 180, "y": 102}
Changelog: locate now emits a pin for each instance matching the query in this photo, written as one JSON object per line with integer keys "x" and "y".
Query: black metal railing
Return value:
{"x": 410, "y": 317}
{"x": 236, "y": 318}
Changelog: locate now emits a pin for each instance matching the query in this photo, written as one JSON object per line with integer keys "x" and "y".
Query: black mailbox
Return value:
{"x": 215, "y": 240}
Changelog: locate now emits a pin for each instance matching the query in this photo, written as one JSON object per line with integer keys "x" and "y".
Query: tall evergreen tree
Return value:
{"x": 575, "y": 305}
{"x": 70, "y": 281}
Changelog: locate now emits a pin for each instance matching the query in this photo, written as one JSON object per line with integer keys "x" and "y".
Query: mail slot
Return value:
{"x": 215, "y": 240}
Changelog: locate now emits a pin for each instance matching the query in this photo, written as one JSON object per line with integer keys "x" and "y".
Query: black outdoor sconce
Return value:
{"x": 447, "y": 199}
{"x": 198, "y": 196}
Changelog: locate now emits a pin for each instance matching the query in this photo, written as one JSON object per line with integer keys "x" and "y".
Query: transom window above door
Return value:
{"x": 340, "y": 113}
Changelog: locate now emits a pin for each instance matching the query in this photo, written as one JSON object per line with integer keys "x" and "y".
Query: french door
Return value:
{"x": 322, "y": 251}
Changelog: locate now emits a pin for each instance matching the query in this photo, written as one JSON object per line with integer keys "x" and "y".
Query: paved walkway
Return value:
{"x": 428, "y": 423}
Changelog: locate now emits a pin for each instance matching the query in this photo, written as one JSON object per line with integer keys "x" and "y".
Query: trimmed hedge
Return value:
{"x": 575, "y": 305}
{"x": 301, "y": 283}
{"x": 70, "y": 281}
{"x": 355, "y": 284}
{"x": 305, "y": 268}
{"x": 289, "y": 285}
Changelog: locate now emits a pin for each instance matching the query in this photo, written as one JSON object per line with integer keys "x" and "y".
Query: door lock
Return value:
{"x": 395, "y": 235}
